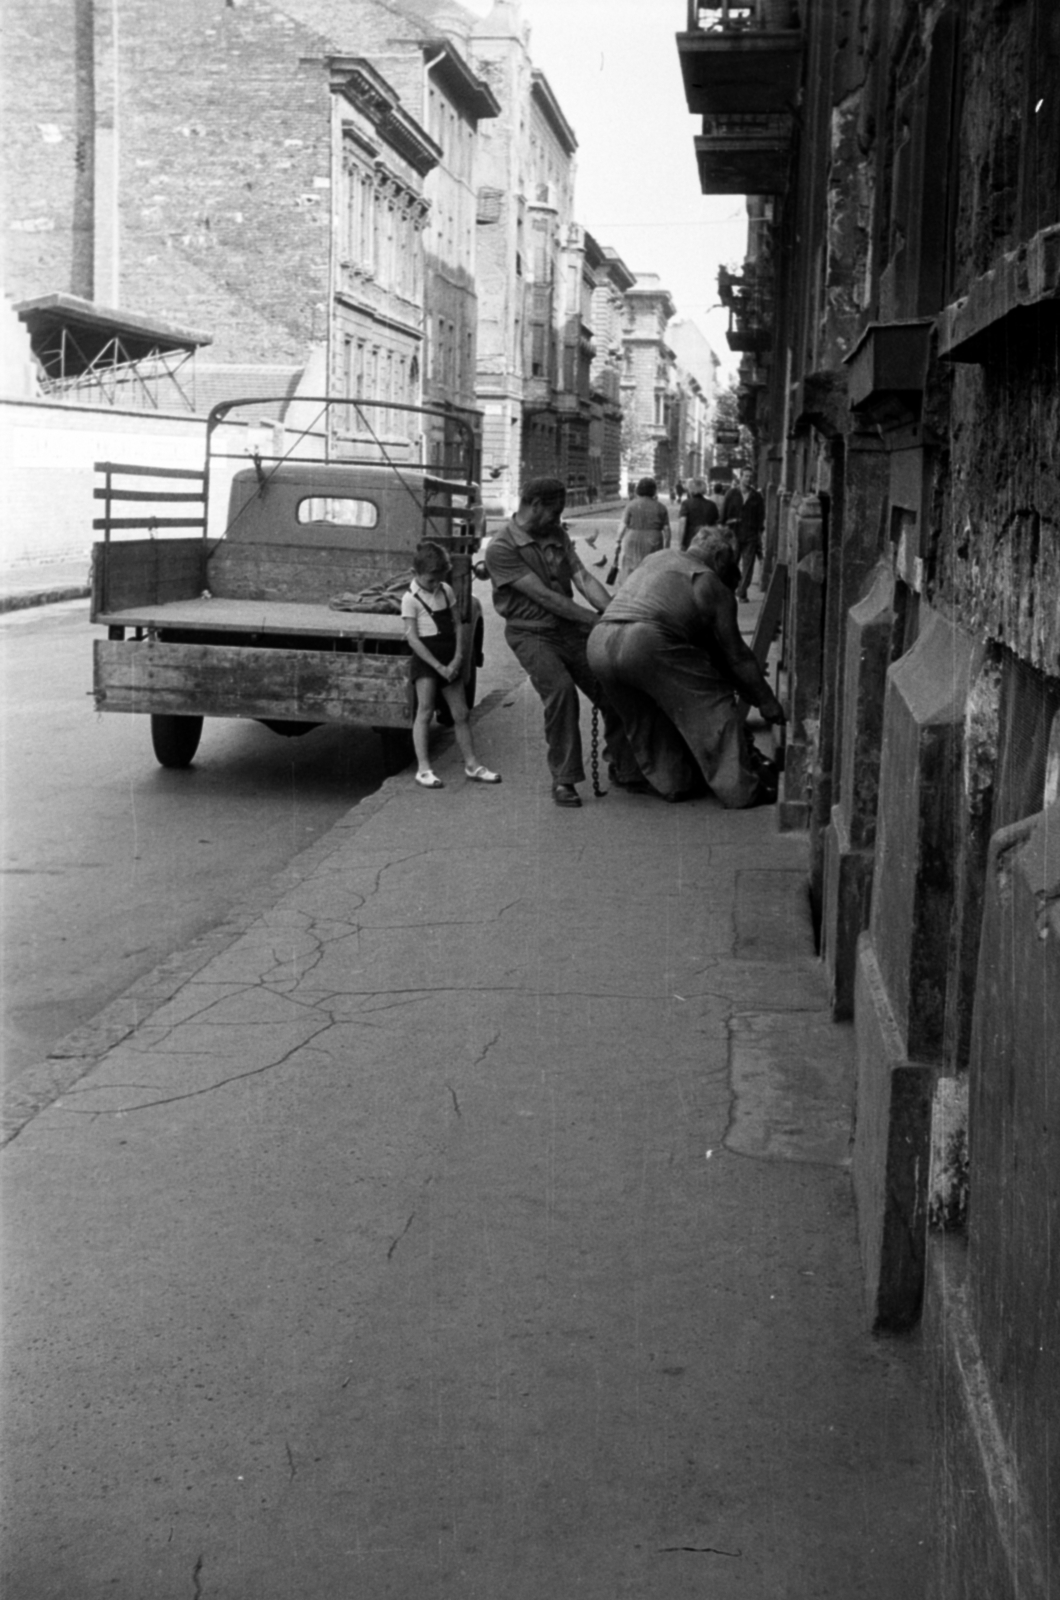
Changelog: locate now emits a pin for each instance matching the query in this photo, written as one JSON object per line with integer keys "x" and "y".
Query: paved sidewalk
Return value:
{"x": 472, "y": 1221}
{"x": 41, "y": 583}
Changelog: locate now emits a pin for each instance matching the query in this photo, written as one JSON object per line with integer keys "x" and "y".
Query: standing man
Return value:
{"x": 534, "y": 569}
{"x": 695, "y": 512}
{"x": 744, "y": 513}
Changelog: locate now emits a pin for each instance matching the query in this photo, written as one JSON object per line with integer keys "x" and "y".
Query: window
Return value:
{"x": 341, "y": 512}
{"x": 537, "y": 349}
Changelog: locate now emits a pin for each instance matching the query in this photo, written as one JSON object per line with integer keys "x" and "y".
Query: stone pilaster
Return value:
{"x": 902, "y": 967}
{"x": 803, "y": 640}
{"x": 993, "y": 1307}
{"x": 851, "y": 837}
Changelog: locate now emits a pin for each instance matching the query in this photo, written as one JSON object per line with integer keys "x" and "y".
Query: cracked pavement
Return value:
{"x": 472, "y": 1219}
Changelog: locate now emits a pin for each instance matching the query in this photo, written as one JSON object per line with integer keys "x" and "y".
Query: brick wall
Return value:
{"x": 225, "y": 161}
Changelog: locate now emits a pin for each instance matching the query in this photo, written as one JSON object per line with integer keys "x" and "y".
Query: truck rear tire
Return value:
{"x": 175, "y": 739}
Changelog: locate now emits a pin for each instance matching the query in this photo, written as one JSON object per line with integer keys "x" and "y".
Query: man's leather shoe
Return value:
{"x": 565, "y": 794}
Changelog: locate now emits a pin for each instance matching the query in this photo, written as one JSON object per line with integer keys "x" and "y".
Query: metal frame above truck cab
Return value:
{"x": 431, "y": 484}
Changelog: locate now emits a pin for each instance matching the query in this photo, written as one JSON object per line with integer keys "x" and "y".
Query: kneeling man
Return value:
{"x": 670, "y": 658}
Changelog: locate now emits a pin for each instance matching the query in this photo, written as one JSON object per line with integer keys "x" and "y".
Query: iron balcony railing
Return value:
{"x": 741, "y": 16}
{"x": 749, "y": 298}
{"x": 741, "y": 57}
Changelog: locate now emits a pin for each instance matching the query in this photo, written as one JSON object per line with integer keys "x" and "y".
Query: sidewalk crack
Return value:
{"x": 209, "y": 1088}
{"x": 400, "y": 1236}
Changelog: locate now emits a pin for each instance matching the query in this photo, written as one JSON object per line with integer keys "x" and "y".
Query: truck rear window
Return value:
{"x": 341, "y": 511}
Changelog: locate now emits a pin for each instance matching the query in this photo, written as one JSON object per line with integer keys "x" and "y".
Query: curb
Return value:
{"x": 43, "y": 597}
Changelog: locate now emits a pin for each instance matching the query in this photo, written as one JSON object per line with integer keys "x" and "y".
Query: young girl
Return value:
{"x": 433, "y": 632}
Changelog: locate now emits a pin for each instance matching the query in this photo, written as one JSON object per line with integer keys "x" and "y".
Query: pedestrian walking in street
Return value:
{"x": 645, "y": 528}
{"x": 696, "y": 511}
{"x": 744, "y": 512}
{"x": 670, "y": 656}
{"x": 436, "y": 639}
{"x": 535, "y": 569}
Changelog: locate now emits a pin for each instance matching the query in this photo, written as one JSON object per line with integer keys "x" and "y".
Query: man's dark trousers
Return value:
{"x": 556, "y": 664}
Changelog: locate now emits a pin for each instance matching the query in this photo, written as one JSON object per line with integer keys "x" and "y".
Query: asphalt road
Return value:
{"x": 109, "y": 861}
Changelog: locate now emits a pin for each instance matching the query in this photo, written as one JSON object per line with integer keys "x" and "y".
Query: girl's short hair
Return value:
{"x": 647, "y": 487}
{"x": 431, "y": 561}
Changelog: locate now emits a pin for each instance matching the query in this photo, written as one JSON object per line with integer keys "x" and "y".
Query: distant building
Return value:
{"x": 697, "y": 383}
{"x": 525, "y": 211}
{"x": 647, "y": 381}
{"x": 421, "y": 47}
{"x": 377, "y": 319}
{"x": 278, "y": 185}
{"x": 613, "y": 278}
{"x": 579, "y": 258}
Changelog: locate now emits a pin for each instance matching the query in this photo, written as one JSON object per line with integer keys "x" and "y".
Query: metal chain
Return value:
{"x": 595, "y": 755}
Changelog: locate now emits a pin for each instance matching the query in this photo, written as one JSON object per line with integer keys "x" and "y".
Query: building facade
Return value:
{"x": 697, "y": 384}
{"x": 648, "y": 383}
{"x": 376, "y": 326}
{"x": 613, "y": 278}
{"x": 222, "y": 170}
{"x": 457, "y": 102}
{"x": 525, "y": 212}
{"x": 579, "y": 259}
{"x": 280, "y": 186}
{"x": 900, "y": 318}
{"x": 421, "y": 49}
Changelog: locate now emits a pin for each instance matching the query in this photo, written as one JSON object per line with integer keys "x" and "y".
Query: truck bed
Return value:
{"x": 256, "y": 617}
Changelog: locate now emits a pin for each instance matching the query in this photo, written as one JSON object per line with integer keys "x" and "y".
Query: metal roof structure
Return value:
{"x": 97, "y": 355}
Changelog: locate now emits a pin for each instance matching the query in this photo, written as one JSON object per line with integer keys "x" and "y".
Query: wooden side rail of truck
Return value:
{"x": 244, "y": 625}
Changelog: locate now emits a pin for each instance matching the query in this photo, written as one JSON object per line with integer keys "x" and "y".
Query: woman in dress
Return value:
{"x": 645, "y": 528}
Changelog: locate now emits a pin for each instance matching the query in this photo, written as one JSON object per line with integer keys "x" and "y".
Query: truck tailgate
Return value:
{"x": 219, "y": 680}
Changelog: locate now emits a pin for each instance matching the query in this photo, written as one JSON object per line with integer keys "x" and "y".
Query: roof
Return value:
{"x": 541, "y": 90}
{"x": 649, "y": 286}
{"x": 355, "y": 78}
{"x": 95, "y": 327}
{"x": 619, "y": 273}
{"x": 470, "y": 93}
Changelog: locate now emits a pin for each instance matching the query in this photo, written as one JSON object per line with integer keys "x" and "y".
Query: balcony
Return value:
{"x": 744, "y": 153}
{"x": 741, "y": 57}
{"x": 750, "y": 302}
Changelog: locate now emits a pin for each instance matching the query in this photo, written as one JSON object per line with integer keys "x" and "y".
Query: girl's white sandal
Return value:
{"x": 481, "y": 774}
{"x": 427, "y": 780}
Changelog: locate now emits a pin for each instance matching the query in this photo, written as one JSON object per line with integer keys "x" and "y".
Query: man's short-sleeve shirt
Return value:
{"x": 511, "y": 554}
